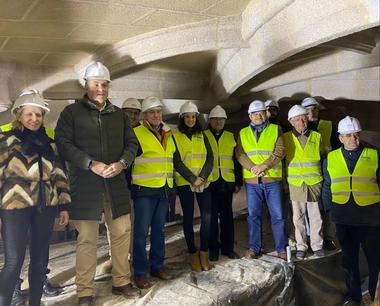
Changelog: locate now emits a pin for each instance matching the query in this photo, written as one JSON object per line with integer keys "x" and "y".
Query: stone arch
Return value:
{"x": 287, "y": 29}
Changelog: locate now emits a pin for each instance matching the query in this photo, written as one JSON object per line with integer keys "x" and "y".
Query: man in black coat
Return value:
{"x": 97, "y": 141}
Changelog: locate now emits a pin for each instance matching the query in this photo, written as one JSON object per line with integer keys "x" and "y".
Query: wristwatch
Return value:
{"x": 123, "y": 163}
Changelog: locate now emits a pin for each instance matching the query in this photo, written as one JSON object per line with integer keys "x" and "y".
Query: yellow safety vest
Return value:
{"x": 325, "y": 129}
{"x": 362, "y": 183}
{"x": 223, "y": 156}
{"x": 7, "y": 127}
{"x": 260, "y": 151}
{"x": 193, "y": 154}
{"x": 303, "y": 164}
{"x": 154, "y": 167}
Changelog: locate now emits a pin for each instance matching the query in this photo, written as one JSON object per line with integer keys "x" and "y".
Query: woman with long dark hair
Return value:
{"x": 32, "y": 184}
{"x": 193, "y": 162}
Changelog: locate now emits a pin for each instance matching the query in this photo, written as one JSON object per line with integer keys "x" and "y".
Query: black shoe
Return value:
{"x": 213, "y": 256}
{"x": 231, "y": 255}
{"x": 48, "y": 289}
{"x": 17, "y": 298}
{"x": 329, "y": 245}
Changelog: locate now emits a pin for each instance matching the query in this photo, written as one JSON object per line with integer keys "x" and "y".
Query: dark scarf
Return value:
{"x": 257, "y": 129}
{"x": 35, "y": 142}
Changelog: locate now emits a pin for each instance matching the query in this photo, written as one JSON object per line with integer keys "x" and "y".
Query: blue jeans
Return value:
{"x": 149, "y": 212}
{"x": 272, "y": 193}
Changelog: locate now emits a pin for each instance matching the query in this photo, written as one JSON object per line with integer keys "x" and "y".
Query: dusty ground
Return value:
{"x": 62, "y": 261}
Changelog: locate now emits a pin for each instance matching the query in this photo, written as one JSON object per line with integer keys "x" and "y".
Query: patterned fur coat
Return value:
{"x": 31, "y": 173}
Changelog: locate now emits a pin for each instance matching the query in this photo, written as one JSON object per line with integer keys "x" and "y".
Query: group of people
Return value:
{"x": 111, "y": 161}
{"x": 116, "y": 166}
{"x": 324, "y": 180}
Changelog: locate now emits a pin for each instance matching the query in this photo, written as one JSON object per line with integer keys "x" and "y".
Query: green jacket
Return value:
{"x": 83, "y": 134}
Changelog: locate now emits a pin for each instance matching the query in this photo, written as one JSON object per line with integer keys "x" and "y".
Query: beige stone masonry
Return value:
{"x": 299, "y": 26}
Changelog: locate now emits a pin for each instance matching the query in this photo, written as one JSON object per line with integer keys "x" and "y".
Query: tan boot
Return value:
{"x": 194, "y": 262}
{"x": 107, "y": 268}
{"x": 203, "y": 256}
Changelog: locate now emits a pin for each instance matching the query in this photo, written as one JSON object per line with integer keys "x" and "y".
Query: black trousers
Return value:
{"x": 14, "y": 234}
{"x": 186, "y": 197}
{"x": 222, "y": 208}
{"x": 350, "y": 239}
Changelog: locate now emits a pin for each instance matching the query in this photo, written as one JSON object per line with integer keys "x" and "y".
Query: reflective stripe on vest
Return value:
{"x": 193, "y": 154}
{"x": 7, "y": 127}
{"x": 260, "y": 151}
{"x": 153, "y": 160}
{"x": 362, "y": 183}
{"x": 223, "y": 156}
{"x": 303, "y": 164}
{"x": 188, "y": 158}
{"x": 325, "y": 129}
{"x": 154, "y": 167}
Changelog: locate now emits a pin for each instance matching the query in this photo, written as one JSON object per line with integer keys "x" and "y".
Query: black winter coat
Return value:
{"x": 83, "y": 134}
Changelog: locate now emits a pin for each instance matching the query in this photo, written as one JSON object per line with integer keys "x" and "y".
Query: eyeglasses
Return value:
{"x": 132, "y": 113}
{"x": 272, "y": 109}
{"x": 354, "y": 135}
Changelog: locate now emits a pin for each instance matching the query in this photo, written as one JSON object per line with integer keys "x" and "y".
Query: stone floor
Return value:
{"x": 187, "y": 288}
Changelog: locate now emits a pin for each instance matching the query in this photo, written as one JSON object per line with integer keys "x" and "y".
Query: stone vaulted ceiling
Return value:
{"x": 208, "y": 51}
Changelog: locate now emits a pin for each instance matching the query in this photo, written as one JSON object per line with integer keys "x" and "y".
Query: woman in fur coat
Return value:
{"x": 33, "y": 185}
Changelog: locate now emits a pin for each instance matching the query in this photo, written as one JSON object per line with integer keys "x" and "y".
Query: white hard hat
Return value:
{"x": 269, "y": 103}
{"x": 349, "y": 125}
{"x": 188, "y": 107}
{"x": 29, "y": 91}
{"x": 296, "y": 110}
{"x": 132, "y": 103}
{"x": 97, "y": 71}
{"x": 30, "y": 97}
{"x": 149, "y": 103}
{"x": 256, "y": 106}
{"x": 218, "y": 112}
{"x": 309, "y": 102}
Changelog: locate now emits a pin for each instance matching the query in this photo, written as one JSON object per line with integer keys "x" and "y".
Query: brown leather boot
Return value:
{"x": 127, "y": 291}
{"x": 195, "y": 262}
{"x": 203, "y": 256}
